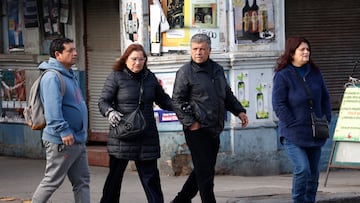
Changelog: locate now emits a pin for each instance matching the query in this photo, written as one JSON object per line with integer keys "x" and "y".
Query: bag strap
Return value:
{"x": 141, "y": 91}
{"x": 62, "y": 82}
{"x": 306, "y": 89}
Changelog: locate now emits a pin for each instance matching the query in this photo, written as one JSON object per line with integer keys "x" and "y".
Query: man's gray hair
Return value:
{"x": 199, "y": 38}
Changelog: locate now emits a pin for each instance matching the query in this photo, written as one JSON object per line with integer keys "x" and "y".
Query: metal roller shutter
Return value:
{"x": 333, "y": 28}
{"x": 102, "y": 50}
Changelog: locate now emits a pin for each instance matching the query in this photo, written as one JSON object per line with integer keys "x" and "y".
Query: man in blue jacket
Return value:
{"x": 65, "y": 133}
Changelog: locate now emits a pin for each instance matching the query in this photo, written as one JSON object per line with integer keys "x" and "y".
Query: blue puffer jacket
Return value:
{"x": 289, "y": 100}
{"x": 64, "y": 115}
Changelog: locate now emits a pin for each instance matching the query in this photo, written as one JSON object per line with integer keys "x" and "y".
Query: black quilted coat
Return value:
{"x": 121, "y": 92}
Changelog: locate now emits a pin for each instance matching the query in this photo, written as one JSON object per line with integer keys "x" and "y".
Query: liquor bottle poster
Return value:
{"x": 182, "y": 15}
{"x": 253, "y": 21}
{"x": 15, "y": 24}
{"x": 243, "y": 88}
{"x": 262, "y": 97}
{"x": 131, "y": 20}
{"x": 252, "y": 87}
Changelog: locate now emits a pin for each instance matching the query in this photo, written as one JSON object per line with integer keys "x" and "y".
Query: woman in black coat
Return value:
{"x": 120, "y": 96}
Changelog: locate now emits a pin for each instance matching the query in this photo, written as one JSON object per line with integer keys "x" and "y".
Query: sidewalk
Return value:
{"x": 19, "y": 178}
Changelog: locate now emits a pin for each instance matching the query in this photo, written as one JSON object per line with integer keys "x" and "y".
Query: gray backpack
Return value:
{"x": 34, "y": 111}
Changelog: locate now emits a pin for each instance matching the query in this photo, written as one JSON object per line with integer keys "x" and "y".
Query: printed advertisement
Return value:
{"x": 166, "y": 80}
{"x": 15, "y": 25}
{"x": 253, "y": 90}
{"x": 253, "y": 21}
{"x": 347, "y": 126}
{"x": 13, "y": 95}
{"x": 52, "y": 18}
{"x": 31, "y": 14}
{"x": 131, "y": 21}
{"x": 187, "y": 18}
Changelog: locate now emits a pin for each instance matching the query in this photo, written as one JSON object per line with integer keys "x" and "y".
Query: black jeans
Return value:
{"x": 204, "y": 146}
{"x": 149, "y": 176}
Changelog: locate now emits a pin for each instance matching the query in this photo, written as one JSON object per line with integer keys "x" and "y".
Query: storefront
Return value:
{"x": 27, "y": 28}
{"x": 332, "y": 28}
{"x": 247, "y": 37}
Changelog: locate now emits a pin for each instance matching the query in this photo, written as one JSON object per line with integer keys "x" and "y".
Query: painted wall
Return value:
{"x": 251, "y": 151}
{"x": 255, "y": 150}
{"x": 20, "y": 141}
{"x": 247, "y": 152}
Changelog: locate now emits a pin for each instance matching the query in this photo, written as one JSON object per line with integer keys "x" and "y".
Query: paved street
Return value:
{"x": 19, "y": 178}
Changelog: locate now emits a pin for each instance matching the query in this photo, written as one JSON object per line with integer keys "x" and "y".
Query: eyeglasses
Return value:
{"x": 140, "y": 60}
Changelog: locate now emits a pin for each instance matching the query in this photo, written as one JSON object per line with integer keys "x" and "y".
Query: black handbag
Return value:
{"x": 320, "y": 126}
{"x": 132, "y": 125}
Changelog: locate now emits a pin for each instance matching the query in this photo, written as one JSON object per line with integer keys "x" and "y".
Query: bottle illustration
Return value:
{"x": 259, "y": 102}
{"x": 241, "y": 90}
{"x": 134, "y": 19}
{"x": 254, "y": 22}
{"x": 246, "y": 19}
{"x": 126, "y": 24}
{"x": 130, "y": 24}
{"x": 263, "y": 21}
{"x": 241, "y": 87}
{"x": 158, "y": 34}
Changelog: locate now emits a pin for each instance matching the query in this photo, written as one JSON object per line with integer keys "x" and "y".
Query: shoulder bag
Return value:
{"x": 131, "y": 125}
{"x": 320, "y": 126}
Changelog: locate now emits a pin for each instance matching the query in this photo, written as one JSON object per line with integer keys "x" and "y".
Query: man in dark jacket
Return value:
{"x": 201, "y": 97}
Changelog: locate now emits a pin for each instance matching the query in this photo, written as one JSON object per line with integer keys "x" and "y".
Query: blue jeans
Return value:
{"x": 306, "y": 163}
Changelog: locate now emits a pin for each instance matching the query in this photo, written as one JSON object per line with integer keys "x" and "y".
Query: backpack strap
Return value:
{"x": 61, "y": 78}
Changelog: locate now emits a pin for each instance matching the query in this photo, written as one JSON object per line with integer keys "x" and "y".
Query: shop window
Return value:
{"x": 54, "y": 14}
{"x": 15, "y": 25}
{"x": 20, "y": 17}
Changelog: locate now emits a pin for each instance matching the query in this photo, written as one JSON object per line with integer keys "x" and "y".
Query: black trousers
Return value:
{"x": 204, "y": 147}
{"x": 149, "y": 177}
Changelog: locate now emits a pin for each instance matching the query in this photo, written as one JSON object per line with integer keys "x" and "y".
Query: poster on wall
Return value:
{"x": 30, "y": 14}
{"x": 131, "y": 21}
{"x": 166, "y": 80}
{"x": 253, "y": 21}
{"x": 243, "y": 88}
{"x": 64, "y": 11}
{"x": 13, "y": 95}
{"x": 187, "y": 18}
{"x": 262, "y": 97}
{"x": 53, "y": 28}
{"x": 15, "y": 25}
{"x": 253, "y": 90}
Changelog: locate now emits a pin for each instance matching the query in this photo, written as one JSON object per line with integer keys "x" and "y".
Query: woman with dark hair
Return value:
{"x": 120, "y": 96}
{"x": 291, "y": 105}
